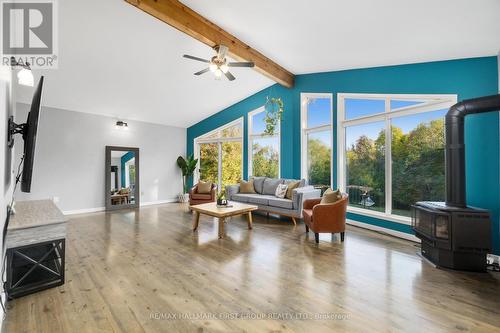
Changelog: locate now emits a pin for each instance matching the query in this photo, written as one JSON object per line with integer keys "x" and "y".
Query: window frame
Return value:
{"x": 219, "y": 141}
{"x": 251, "y": 137}
{"x": 305, "y": 131}
{"x": 433, "y": 102}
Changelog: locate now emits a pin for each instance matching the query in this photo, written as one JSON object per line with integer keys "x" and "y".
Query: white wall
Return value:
{"x": 69, "y": 161}
{"x": 5, "y": 184}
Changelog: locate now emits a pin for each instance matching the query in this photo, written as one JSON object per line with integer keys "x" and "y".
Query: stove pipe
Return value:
{"x": 455, "y": 146}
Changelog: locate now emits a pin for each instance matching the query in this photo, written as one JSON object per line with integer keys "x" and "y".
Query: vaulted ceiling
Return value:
{"x": 118, "y": 61}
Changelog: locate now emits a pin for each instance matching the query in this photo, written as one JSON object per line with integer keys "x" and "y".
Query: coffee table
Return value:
{"x": 211, "y": 209}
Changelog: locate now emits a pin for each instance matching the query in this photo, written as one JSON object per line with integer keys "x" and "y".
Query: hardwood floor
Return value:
{"x": 133, "y": 271}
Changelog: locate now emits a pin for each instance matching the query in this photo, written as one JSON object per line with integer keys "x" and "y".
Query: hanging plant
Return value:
{"x": 274, "y": 113}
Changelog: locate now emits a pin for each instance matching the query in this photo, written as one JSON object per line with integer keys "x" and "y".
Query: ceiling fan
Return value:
{"x": 219, "y": 65}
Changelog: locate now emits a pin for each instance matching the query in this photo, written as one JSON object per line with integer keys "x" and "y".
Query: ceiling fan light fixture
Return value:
{"x": 218, "y": 73}
{"x": 213, "y": 67}
{"x": 224, "y": 68}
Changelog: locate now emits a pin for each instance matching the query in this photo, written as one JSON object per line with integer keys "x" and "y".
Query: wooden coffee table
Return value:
{"x": 211, "y": 209}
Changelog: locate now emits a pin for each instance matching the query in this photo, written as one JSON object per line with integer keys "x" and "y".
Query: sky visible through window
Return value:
{"x": 363, "y": 107}
{"x": 319, "y": 114}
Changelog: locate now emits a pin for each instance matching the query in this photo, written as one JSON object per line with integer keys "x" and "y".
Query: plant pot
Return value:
{"x": 183, "y": 197}
{"x": 221, "y": 202}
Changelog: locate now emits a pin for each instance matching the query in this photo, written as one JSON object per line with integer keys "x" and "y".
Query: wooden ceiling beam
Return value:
{"x": 186, "y": 20}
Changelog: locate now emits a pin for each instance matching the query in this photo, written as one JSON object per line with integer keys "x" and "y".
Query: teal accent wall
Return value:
{"x": 468, "y": 78}
{"x": 125, "y": 158}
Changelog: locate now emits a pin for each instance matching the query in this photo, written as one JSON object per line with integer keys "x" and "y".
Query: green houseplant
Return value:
{"x": 187, "y": 166}
{"x": 274, "y": 113}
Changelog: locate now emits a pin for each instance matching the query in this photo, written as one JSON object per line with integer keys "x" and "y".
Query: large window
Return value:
{"x": 391, "y": 151}
{"x": 263, "y": 149}
{"x": 220, "y": 155}
{"x": 316, "y": 120}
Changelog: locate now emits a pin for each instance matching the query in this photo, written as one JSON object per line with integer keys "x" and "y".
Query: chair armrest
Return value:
{"x": 301, "y": 194}
{"x": 193, "y": 189}
{"x": 231, "y": 190}
{"x": 310, "y": 203}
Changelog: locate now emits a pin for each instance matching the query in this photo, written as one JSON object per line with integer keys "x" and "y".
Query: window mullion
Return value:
{"x": 388, "y": 160}
{"x": 219, "y": 167}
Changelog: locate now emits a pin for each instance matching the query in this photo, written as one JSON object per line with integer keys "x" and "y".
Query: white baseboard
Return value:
{"x": 395, "y": 233}
{"x": 84, "y": 211}
{"x": 160, "y": 202}
{"x": 101, "y": 209}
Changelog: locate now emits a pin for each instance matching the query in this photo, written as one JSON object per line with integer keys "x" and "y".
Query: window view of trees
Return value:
{"x": 317, "y": 139}
{"x": 417, "y": 148}
{"x": 264, "y": 148}
{"x": 418, "y": 163}
{"x": 209, "y": 164}
{"x": 226, "y": 143}
{"x": 232, "y": 161}
{"x": 265, "y": 158}
{"x": 319, "y": 154}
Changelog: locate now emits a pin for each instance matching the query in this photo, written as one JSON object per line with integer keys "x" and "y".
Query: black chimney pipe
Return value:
{"x": 455, "y": 146}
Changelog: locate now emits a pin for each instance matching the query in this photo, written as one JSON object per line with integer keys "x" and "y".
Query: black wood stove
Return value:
{"x": 453, "y": 234}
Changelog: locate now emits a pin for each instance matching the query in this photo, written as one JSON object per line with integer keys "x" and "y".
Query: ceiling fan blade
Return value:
{"x": 221, "y": 51}
{"x": 195, "y": 58}
{"x": 202, "y": 71}
{"x": 241, "y": 64}
{"x": 230, "y": 76}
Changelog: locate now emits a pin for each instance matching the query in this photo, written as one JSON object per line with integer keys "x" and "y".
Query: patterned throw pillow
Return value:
{"x": 281, "y": 191}
{"x": 204, "y": 187}
{"x": 247, "y": 187}
{"x": 330, "y": 196}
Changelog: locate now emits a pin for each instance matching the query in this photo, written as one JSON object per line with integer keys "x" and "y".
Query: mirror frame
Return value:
{"x": 107, "y": 168}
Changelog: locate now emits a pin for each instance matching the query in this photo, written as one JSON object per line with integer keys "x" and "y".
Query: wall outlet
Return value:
{"x": 55, "y": 199}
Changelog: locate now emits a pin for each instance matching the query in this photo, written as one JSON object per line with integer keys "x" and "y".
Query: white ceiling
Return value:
{"x": 325, "y": 35}
{"x": 116, "y": 60}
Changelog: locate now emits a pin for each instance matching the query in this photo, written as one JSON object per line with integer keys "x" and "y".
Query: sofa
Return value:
{"x": 266, "y": 200}
{"x": 196, "y": 198}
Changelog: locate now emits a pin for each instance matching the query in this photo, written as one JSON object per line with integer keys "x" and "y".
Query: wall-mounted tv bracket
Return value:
{"x": 13, "y": 130}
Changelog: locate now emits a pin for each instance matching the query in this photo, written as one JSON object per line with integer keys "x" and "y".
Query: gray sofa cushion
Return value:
{"x": 240, "y": 197}
{"x": 281, "y": 203}
{"x": 270, "y": 185}
{"x": 258, "y": 199}
{"x": 258, "y": 184}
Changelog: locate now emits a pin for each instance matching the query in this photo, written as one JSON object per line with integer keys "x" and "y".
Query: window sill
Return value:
{"x": 379, "y": 215}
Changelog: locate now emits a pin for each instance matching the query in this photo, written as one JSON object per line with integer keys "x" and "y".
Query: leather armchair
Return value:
{"x": 325, "y": 218}
{"x": 196, "y": 198}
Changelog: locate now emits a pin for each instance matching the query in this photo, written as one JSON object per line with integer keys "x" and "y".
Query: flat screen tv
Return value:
{"x": 28, "y": 130}
{"x": 29, "y": 137}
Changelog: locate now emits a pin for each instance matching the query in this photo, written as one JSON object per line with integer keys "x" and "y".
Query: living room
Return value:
{"x": 341, "y": 173}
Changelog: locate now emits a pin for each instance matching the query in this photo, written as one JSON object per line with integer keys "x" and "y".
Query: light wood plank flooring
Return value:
{"x": 134, "y": 271}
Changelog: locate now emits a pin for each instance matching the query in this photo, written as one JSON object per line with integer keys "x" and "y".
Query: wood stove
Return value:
{"x": 453, "y": 234}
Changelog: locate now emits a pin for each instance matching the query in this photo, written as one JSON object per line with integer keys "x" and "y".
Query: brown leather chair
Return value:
{"x": 325, "y": 218}
{"x": 196, "y": 198}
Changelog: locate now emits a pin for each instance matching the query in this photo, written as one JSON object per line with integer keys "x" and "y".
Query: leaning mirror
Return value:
{"x": 122, "y": 177}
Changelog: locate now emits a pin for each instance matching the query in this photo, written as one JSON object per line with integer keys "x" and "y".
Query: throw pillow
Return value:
{"x": 258, "y": 184}
{"x": 247, "y": 187}
{"x": 281, "y": 191}
{"x": 330, "y": 196}
{"x": 204, "y": 187}
{"x": 270, "y": 185}
{"x": 291, "y": 187}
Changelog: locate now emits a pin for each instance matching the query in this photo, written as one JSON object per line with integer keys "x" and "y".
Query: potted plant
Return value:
{"x": 221, "y": 198}
{"x": 274, "y": 113}
{"x": 187, "y": 166}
